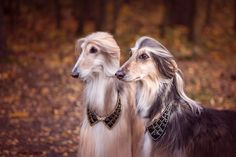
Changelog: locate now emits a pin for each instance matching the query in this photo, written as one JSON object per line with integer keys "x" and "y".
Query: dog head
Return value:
{"x": 152, "y": 66}
{"x": 149, "y": 59}
{"x": 99, "y": 53}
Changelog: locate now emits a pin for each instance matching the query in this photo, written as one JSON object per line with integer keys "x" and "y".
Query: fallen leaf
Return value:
{"x": 19, "y": 114}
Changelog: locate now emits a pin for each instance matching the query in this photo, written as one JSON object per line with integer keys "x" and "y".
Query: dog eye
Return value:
{"x": 93, "y": 50}
{"x": 143, "y": 56}
{"x": 130, "y": 53}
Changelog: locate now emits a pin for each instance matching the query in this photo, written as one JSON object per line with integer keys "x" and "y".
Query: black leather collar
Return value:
{"x": 158, "y": 126}
{"x": 110, "y": 120}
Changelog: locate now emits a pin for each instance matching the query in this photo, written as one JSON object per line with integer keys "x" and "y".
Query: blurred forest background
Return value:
{"x": 40, "y": 106}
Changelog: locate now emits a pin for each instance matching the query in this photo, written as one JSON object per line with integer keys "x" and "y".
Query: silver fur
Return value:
{"x": 193, "y": 131}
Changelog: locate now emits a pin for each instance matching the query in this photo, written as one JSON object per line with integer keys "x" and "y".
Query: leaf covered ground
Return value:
{"x": 40, "y": 104}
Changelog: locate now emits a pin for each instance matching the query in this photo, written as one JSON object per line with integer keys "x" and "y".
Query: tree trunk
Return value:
{"x": 116, "y": 10}
{"x": 183, "y": 13}
{"x": 192, "y": 17}
{"x": 57, "y": 12}
{"x": 208, "y": 13}
{"x": 3, "y": 43}
{"x": 235, "y": 16}
{"x": 80, "y": 10}
{"x": 14, "y": 10}
{"x": 166, "y": 20}
{"x": 101, "y": 18}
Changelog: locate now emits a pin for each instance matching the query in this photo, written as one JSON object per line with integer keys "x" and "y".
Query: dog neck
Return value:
{"x": 160, "y": 95}
{"x": 154, "y": 95}
{"x": 101, "y": 93}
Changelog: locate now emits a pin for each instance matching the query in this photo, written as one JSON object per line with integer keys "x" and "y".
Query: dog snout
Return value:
{"x": 120, "y": 74}
{"x": 75, "y": 73}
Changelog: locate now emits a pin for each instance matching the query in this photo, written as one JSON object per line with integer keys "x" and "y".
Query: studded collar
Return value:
{"x": 157, "y": 127}
{"x": 110, "y": 120}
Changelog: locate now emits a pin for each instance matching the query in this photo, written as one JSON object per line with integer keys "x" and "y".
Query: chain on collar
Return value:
{"x": 110, "y": 120}
{"x": 158, "y": 126}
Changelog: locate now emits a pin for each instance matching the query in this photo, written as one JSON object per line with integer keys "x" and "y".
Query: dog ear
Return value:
{"x": 166, "y": 65}
{"x": 78, "y": 44}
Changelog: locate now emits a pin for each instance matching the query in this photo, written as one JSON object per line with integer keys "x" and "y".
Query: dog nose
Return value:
{"x": 75, "y": 75}
{"x": 120, "y": 74}
{"x": 75, "y": 72}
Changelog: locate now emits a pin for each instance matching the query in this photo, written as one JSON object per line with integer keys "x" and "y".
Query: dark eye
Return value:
{"x": 130, "y": 53}
{"x": 93, "y": 50}
{"x": 143, "y": 56}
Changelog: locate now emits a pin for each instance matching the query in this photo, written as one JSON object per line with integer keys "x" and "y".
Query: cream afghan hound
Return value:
{"x": 110, "y": 127}
{"x": 176, "y": 126}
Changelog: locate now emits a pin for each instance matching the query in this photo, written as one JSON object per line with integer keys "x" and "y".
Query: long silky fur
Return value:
{"x": 193, "y": 130}
{"x": 100, "y": 94}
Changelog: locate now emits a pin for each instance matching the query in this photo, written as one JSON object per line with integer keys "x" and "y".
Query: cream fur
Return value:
{"x": 100, "y": 94}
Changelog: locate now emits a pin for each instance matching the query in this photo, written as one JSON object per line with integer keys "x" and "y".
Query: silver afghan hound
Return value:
{"x": 176, "y": 126}
{"x": 109, "y": 125}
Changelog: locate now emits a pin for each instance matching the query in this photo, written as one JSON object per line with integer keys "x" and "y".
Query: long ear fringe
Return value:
{"x": 78, "y": 44}
{"x": 195, "y": 107}
{"x": 167, "y": 67}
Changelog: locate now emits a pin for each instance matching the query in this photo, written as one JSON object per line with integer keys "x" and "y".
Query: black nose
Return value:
{"x": 120, "y": 74}
{"x": 75, "y": 74}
